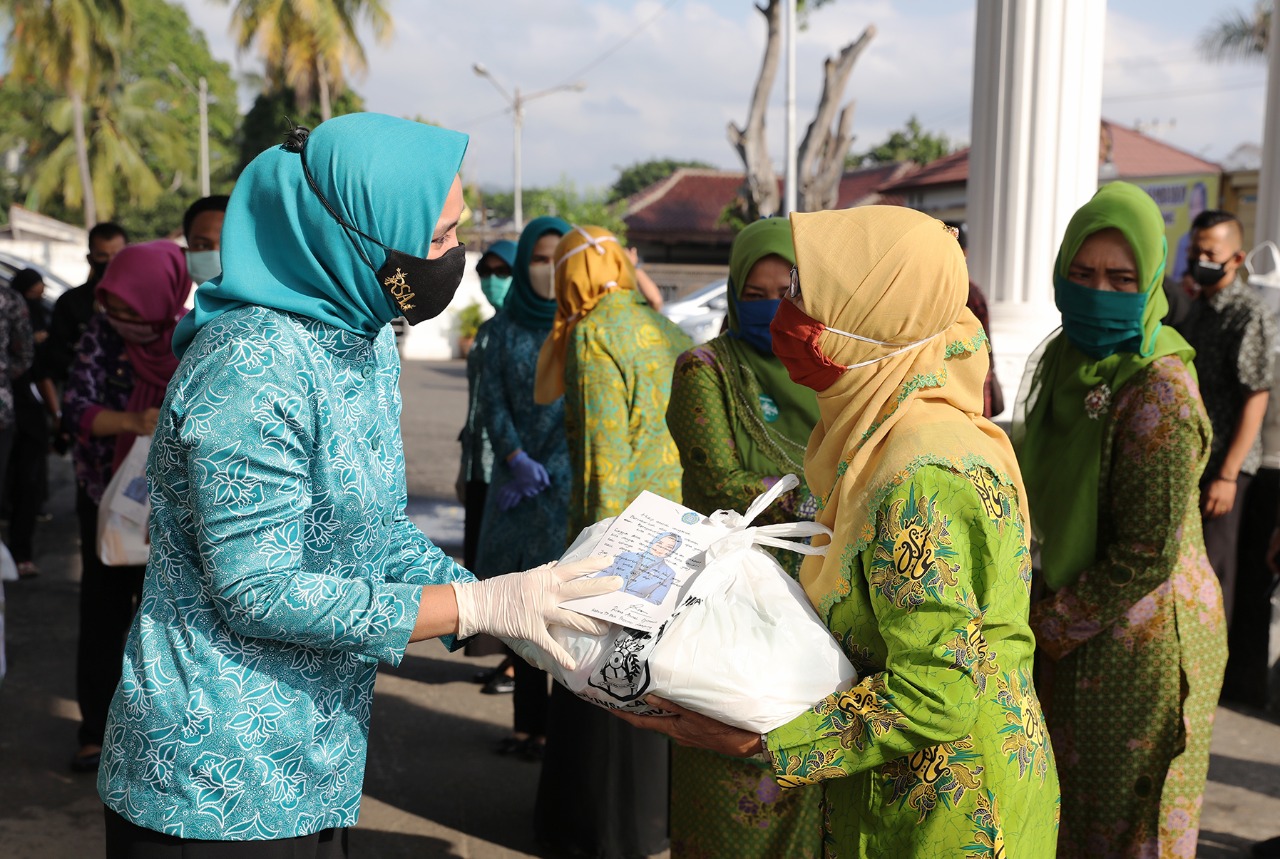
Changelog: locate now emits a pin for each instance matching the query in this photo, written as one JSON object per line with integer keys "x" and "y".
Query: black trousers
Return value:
{"x": 530, "y": 699}
{"x": 1222, "y": 541}
{"x": 108, "y": 598}
{"x": 1250, "y": 631}
{"x": 128, "y": 841}
{"x": 477, "y": 491}
{"x": 28, "y": 481}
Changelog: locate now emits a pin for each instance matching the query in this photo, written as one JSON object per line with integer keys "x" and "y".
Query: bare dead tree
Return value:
{"x": 760, "y": 190}
{"x": 826, "y": 142}
{"x": 823, "y": 150}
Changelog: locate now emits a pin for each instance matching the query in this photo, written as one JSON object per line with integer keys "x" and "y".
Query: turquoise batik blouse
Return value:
{"x": 283, "y": 570}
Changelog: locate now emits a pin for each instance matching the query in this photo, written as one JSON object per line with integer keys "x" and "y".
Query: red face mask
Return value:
{"x": 795, "y": 342}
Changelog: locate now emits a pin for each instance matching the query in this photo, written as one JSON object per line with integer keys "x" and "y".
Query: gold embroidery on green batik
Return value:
{"x": 860, "y": 715}
{"x": 994, "y": 498}
{"x": 1025, "y": 737}
{"x": 860, "y": 656}
{"x": 988, "y": 834}
{"x": 969, "y": 651}
{"x": 913, "y": 552}
{"x": 937, "y": 774}
{"x": 811, "y": 768}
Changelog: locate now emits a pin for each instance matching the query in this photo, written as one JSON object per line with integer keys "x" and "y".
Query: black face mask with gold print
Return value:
{"x": 419, "y": 288}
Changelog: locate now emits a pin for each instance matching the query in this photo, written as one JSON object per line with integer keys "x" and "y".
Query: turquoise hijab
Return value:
{"x": 386, "y": 176}
{"x": 524, "y": 306}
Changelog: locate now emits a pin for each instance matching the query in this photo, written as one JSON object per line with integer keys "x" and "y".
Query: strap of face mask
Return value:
{"x": 898, "y": 351}
{"x": 596, "y": 244}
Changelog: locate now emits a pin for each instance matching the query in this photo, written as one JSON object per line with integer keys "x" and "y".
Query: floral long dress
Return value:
{"x": 721, "y": 806}
{"x": 1139, "y": 639}
{"x": 940, "y": 749}
{"x": 603, "y": 790}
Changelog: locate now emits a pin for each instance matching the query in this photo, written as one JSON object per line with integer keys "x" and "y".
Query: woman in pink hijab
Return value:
{"x": 123, "y": 363}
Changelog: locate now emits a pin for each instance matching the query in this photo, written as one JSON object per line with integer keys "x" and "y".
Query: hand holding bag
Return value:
{"x": 123, "y": 514}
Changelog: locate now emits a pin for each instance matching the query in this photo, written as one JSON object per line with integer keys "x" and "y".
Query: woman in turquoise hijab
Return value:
{"x": 283, "y": 567}
{"x": 1111, "y": 446}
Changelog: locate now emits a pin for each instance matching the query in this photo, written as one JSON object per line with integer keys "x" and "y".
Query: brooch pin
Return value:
{"x": 1097, "y": 401}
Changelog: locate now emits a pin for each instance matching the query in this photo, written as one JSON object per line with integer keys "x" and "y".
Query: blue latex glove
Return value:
{"x": 512, "y": 494}
{"x": 529, "y": 473}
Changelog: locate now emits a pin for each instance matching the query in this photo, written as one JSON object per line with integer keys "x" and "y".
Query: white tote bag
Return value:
{"x": 125, "y": 509}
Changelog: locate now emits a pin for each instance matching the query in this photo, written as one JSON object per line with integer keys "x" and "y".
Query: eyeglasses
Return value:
{"x": 793, "y": 291}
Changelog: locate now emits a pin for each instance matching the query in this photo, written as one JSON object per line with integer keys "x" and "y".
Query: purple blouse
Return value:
{"x": 101, "y": 379}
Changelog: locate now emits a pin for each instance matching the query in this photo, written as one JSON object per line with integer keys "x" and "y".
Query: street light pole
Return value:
{"x": 517, "y": 103}
{"x": 202, "y": 95}
{"x": 517, "y": 110}
{"x": 204, "y": 137}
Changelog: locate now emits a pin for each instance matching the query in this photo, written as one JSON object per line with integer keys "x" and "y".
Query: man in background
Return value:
{"x": 1234, "y": 337}
{"x": 71, "y": 314}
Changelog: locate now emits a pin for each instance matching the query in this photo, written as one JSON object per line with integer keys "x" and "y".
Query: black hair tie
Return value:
{"x": 296, "y": 139}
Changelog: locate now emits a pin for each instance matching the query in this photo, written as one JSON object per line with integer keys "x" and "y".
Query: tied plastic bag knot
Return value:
{"x": 742, "y": 535}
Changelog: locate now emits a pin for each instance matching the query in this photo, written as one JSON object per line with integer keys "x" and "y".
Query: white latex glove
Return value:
{"x": 523, "y": 605}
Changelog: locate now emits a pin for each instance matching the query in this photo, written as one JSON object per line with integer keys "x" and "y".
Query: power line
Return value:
{"x": 485, "y": 117}
{"x": 1184, "y": 92}
{"x": 644, "y": 25}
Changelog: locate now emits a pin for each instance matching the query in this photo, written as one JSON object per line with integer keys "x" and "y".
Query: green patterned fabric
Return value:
{"x": 718, "y": 422}
{"x": 940, "y": 749}
{"x": 1138, "y": 641}
{"x": 617, "y": 384}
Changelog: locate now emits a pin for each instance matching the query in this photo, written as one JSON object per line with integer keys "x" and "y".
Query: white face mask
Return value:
{"x": 542, "y": 279}
{"x": 204, "y": 265}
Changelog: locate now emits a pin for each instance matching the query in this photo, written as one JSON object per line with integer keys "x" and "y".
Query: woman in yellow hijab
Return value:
{"x": 940, "y": 748}
{"x": 603, "y": 790}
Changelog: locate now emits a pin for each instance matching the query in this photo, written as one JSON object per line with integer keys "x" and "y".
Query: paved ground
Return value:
{"x": 432, "y": 788}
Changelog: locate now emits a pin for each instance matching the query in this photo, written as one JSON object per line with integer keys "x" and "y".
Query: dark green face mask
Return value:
{"x": 1100, "y": 323}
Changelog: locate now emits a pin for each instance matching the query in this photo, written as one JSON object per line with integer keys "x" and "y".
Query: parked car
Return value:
{"x": 701, "y": 313}
{"x": 53, "y": 285}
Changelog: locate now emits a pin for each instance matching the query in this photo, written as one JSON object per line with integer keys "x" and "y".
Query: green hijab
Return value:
{"x": 760, "y": 441}
{"x": 389, "y": 177}
{"x": 524, "y": 306}
{"x": 1062, "y": 423}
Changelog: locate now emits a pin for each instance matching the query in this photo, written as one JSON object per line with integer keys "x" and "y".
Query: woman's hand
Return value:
{"x": 524, "y": 605}
{"x": 693, "y": 729}
{"x": 143, "y": 423}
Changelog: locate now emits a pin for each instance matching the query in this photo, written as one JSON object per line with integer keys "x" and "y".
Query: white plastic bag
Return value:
{"x": 124, "y": 511}
{"x": 8, "y": 569}
{"x": 744, "y": 647}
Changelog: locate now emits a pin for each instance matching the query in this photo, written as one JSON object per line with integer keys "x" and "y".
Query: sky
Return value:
{"x": 663, "y": 78}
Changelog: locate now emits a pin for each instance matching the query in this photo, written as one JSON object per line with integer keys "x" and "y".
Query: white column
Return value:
{"x": 1268, "y": 213}
{"x": 1037, "y": 95}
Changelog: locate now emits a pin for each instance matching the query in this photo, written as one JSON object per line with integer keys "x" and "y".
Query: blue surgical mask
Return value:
{"x": 1101, "y": 323}
{"x": 753, "y": 322}
{"x": 204, "y": 265}
{"x": 495, "y": 289}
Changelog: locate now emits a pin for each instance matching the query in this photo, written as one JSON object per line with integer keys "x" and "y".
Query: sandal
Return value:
{"x": 509, "y": 746}
{"x": 28, "y": 570}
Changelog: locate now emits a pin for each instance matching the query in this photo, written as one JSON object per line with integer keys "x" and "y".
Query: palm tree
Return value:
{"x": 1238, "y": 35}
{"x": 309, "y": 44}
{"x": 72, "y": 45}
{"x": 127, "y": 121}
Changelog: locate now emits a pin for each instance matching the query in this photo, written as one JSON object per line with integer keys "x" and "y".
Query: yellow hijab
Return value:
{"x": 589, "y": 263}
{"x": 895, "y": 275}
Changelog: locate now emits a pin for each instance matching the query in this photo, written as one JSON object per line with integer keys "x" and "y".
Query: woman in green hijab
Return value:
{"x": 740, "y": 424}
{"x": 1112, "y": 437}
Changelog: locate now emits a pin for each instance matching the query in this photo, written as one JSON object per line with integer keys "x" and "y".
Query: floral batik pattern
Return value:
{"x": 1137, "y": 644}
{"x": 940, "y": 749}
{"x": 282, "y": 570}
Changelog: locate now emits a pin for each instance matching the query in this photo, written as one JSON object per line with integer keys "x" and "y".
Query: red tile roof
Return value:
{"x": 687, "y": 205}
{"x": 1134, "y": 154}
{"x": 950, "y": 169}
